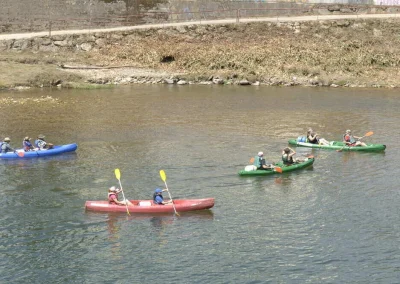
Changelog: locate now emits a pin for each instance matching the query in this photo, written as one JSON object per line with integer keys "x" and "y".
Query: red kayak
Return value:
{"x": 148, "y": 206}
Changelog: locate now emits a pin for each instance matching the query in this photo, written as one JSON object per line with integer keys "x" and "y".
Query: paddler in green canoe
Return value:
{"x": 261, "y": 163}
{"x": 351, "y": 140}
{"x": 313, "y": 138}
{"x": 287, "y": 157}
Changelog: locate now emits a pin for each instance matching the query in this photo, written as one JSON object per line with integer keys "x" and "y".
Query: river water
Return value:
{"x": 336, "y": 222}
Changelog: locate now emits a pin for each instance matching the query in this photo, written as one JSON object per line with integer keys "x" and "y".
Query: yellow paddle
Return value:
{"x": 118, "y": 176}
{"x": 366, "y": 135}
{"x": 164, "y": 178}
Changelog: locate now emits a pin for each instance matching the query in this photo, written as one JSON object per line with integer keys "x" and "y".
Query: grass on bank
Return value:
{"x": 38, "y": 69}
{"x": 361, "y": 52}
{"x": 355, "y": 51}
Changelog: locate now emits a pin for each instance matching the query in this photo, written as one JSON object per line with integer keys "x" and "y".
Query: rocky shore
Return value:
{"x": 334, "y": 53}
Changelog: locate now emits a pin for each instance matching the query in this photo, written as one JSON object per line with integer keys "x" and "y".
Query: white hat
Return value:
{"x": 260, "y": 154}
{"x": 112, "y": 188}
{"x": 348, "y": 131}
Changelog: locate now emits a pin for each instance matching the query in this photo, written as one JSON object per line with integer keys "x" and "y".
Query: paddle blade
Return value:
{"x": 21, "y": 154}
{"x": 117, "y": 174}
{"x": 278, "y": 169}
{"x": 252, "y": 160}
{"x": 162, "y": 175}
{"x": 368, "y": 134}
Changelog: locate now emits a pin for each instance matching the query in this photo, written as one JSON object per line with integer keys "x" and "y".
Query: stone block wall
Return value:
{"x": 18, "y": 16}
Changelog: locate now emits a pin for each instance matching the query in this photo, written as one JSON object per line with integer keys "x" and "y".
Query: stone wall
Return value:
{"x": 43, "y": 15}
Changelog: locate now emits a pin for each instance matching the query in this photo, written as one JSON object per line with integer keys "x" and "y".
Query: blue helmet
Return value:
{"x": 158, "y": 190}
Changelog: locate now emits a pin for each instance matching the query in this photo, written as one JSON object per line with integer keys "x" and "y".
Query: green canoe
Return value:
{"x": 297, "y": 166}
{"x": 335, "y": 145}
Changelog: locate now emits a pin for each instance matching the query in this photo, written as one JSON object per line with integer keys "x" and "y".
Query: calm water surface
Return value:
{"x": 336, "y": 222}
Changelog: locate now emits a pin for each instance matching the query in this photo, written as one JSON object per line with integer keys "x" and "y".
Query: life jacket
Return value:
{"x": 349, "y": 138}
{"x": 154, "y": 198}
{"x": 27, "y": 145}
{"x": 41, "y": 144}
{"x": 110, "y": 199}
{"x": 4, "y": 147}
{"x": 257, "y": 161}
{"x": 286, "y": 159}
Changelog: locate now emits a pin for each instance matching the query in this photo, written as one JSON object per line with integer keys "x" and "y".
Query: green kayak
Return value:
{"x": 335, "y": 145}
{"x": 297, "y": 166}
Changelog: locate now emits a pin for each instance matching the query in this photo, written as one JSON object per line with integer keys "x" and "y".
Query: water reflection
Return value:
{"x": 39, "y": 160}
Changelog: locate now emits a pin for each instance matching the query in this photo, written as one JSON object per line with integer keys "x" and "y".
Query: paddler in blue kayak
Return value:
{"x": 27, "y": 145}
{"x": 261, "y": 163}
{"x": 5, "y": 146}
{"x": 158, "y": 198}
{"x": 41, "y": 144}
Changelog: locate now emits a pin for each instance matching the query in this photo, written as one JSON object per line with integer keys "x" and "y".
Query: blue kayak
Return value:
{"x": 56, "y": 150}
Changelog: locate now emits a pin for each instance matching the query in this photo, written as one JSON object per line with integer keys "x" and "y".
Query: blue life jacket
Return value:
{"x": 154, "y": 198}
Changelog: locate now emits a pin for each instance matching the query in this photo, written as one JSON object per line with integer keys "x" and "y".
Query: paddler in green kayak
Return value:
{"x": 313, "y": 138}
{"x": 261, "y": 163}
{"x": 287, "y": 157}
{"x": 351, "y": 140}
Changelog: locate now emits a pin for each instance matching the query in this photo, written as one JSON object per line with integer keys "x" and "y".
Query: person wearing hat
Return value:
{"x": 41, "y": 144}
{"x": 351, "y": 140}
{"x": 261, "y": 163}
{"x": 113, "y": 197}
{"x": 5, "y": 146}
{"x": 158, "y": 198}
{"x": 27, "y": 145}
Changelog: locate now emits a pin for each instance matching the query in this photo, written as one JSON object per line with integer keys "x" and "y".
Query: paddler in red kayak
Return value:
{"x": 113, "y": 197}
{"x": 158, "y": 198}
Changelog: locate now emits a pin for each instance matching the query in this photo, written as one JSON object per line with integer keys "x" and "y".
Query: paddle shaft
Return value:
{"x": 164, "y": 178}
{"x": 118, "y": 176}
{"x": 170, "y": 197}
{"x": 366, "y": 135}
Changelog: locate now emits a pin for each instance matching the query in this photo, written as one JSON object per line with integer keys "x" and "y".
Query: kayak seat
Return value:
{"x": 145, "y": 203}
